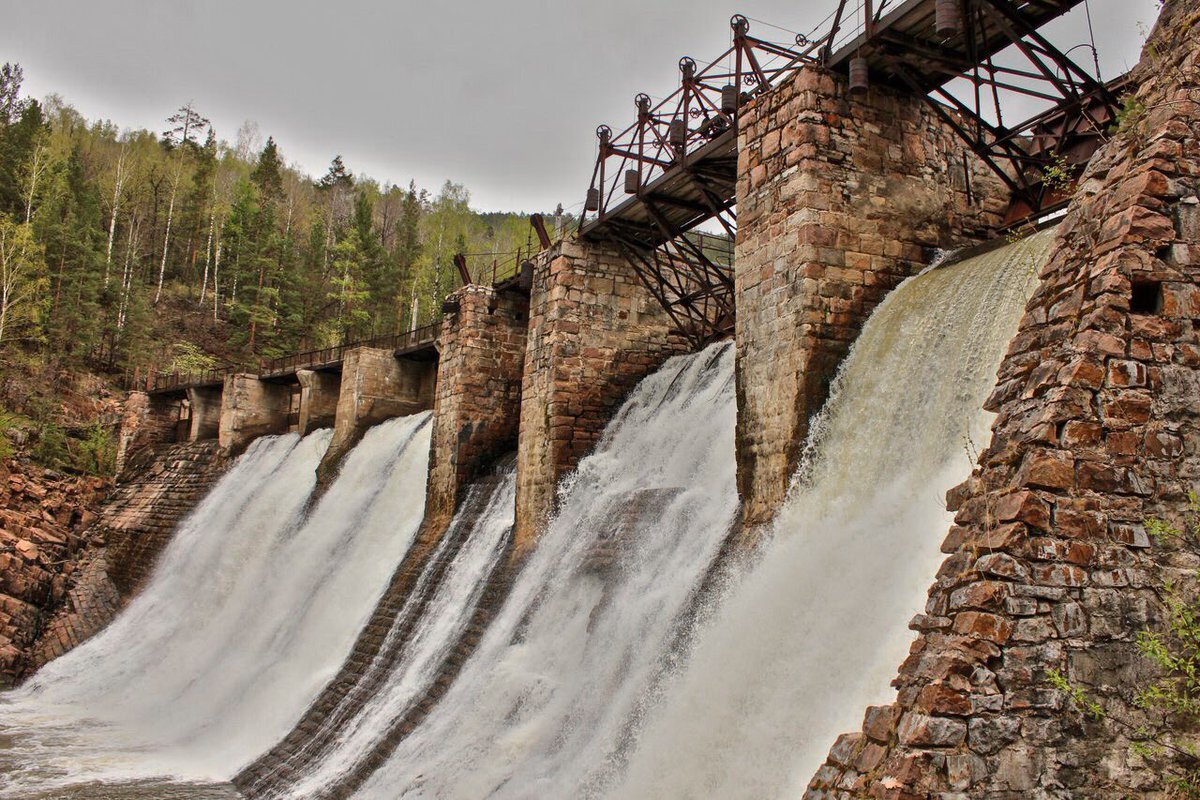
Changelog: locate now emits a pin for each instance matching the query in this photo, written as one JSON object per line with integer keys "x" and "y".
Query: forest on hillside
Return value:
{"x": 127, "y": 251}
{"x": 104, "y": 230}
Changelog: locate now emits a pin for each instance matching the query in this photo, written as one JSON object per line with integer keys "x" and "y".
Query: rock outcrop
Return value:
{"x": 44, "y": 525}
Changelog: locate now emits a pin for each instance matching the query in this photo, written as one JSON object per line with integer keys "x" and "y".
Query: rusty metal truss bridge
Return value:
{"x": 977, "y": 63}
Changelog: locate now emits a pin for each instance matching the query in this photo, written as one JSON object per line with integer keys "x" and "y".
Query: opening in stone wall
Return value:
{"x": 1146, "y": 297}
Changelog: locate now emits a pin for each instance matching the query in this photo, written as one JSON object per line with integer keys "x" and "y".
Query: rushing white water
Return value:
{"x": 484, "y": 521}
{"x": 814, "y": 633}
{"x": 249, "y": 612}
{"x": 544, "y": 705}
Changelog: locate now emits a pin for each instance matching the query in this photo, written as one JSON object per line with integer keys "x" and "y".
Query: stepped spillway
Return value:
{"x": 578, "y": 690}
{"x": 544, "y": 706}
{"x": 249, "y": 612}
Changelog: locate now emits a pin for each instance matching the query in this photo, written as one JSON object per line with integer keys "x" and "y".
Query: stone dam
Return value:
{"x": 844, "y": 513}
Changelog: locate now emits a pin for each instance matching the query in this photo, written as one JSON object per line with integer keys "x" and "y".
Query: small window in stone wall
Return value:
{"x": 1146, "y": 297}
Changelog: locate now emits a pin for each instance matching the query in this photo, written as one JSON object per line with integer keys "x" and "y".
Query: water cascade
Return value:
{"x": 249, "y": 612}
{"x": 543, "y": 707}
{"x": 577, "y": 688}
{"x": 364, "y": 722}
{"x": 815, "y": 632}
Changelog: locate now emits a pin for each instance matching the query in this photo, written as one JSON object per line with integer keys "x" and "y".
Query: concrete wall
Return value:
{"x": 205, "y": 406}
{"x": 594, "y": 332}
{"x": 375, "y": 386}
{"x": 477, "y": 405}
{"x": 1049, "y": 565}
{"x": 319, "y": 393}
{"x": 839, "y": 199}
{"x": 251, "y": 408}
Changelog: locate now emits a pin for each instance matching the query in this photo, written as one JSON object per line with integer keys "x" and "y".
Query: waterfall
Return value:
{"x": 249, "y": 612}
{"x": 543, "y": 707}
{"x": 814, "y": 633}
{"x": 430, "y": 623}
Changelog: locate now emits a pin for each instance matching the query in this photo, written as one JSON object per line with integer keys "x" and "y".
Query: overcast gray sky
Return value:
{"x": 501, "y": 96}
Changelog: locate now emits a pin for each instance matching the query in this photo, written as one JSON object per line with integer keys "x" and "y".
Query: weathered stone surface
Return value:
{"x": 477, "y": 405}
{"x": 594, "y": 332}
{"x": 44, "y": 524}
{"x": 375, "y": 386}
{"x": 250, "y": 408}
{"x": 839, "y": 199}
{"x": 1096, "y": 432}
{"x": 319, "y": 392}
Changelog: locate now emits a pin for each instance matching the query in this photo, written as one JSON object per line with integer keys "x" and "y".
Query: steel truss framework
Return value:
{"x": 674, "y": 168}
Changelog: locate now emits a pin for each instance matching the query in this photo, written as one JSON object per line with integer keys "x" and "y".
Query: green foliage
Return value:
{"x": 1130, "y": 115}
{"x": 97, "y": 451}
{"x": 1171, "y": 700}
{"x": 1059, "y": 174}
{"x": 190, "y": 358}
{"x": 255, "y": 258}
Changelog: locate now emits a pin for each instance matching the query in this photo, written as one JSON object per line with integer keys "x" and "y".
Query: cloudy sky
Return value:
{"x": 501, "y": 96}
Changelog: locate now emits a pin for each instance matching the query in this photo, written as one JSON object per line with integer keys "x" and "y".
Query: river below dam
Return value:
{"x": 616, "y": 665}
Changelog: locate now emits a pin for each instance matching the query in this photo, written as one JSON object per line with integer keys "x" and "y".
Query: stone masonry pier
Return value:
{"x": 840, "y": 197}
{"x": 594, "y": 332}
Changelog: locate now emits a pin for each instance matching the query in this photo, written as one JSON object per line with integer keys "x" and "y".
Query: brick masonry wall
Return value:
{"x": 839, "y": 199}
{"x": 477, "y": 402}
{"x": 160, "y": 487}
{"x": 1049, "y": 564}
{"x": 594, "y": 332}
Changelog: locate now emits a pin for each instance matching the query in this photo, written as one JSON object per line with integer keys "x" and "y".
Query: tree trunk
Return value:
{"x": 162, "y": 267}
{"x": 118, "y": 185}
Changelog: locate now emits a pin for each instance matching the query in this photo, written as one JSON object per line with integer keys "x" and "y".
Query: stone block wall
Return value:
{"x": 477, "y": 404}
{"x": 375, "y": 386}
{"x": 839, "y": 199}
{"x": 1049, "y": 564}
{"x": 594, "y": 332}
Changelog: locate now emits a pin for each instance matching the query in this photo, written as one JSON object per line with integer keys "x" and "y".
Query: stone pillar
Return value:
{"x": 375, "y": 386}
{"x": 594, "y": 332}
{"x": 839, "y": 199}
{"x": 251, "y": 408}
{"x": 205, "y": 404}
{"x": 319, "y": 392}
{"x": 477, "y": 405}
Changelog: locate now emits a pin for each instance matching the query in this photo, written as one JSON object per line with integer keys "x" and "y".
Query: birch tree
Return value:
{"x": 118, "y": 188}
{"x": 21, "y": 278}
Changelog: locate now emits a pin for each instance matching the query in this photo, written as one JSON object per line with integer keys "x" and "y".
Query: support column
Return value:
{"x": 251, "y": 408}
{"x": 375, "y": 386}
{"x": 319, "y": 393}
{"x": 477, "y": 405}
{"x": 594, "y": 332}
{"x": 839, "y": 199}
{"x": 205, "y": 404}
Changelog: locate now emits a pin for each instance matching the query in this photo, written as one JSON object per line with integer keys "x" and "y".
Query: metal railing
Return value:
{"x": 309, "y": 359}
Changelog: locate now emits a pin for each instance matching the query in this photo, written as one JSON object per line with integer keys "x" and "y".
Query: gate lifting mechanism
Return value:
{"x": 675, "y": 167}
